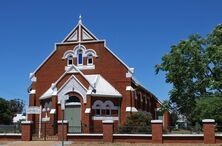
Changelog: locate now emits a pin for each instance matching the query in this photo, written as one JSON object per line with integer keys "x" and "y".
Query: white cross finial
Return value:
{"x": 80, "y": 18}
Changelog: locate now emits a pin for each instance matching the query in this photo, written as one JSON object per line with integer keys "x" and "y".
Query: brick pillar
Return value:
{"x": 157, "y": 131}
{"x": 53, "y": 116}
{"x": 209, "y": 131}
{"x": 31, "y": 103}
{"x": 87, "y": 123}
{"x": 26, "y": 130}
{"x": 108, "y": 130}
{"x": 60, "y": 130}
{"x": 166, "y": 123}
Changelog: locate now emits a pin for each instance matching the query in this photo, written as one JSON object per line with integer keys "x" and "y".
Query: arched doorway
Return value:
{"x": 73, "y": 114}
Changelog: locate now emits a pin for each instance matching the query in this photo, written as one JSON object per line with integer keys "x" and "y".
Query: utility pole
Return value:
{"x": 63, "y": 102}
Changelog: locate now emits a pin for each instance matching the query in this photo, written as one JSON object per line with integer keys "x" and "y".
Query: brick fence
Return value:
{"x": 208, "y": 136}
{"x": 157, "y": 136}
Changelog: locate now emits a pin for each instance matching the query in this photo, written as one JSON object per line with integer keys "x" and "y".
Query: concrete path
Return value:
{"x": 56, "y": 143}
{"x": 31, "y": 143}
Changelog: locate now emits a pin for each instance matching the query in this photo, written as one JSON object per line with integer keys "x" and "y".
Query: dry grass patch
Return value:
{"x": 135, "y": 144}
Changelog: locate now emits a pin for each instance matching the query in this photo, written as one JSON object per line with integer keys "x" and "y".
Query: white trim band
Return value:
{"x": 60, "y": 121}
{"x": 72, "y": 134}
{"x": 144, "y": 135}
{"x": 10, "y": 134}
{"x": 26, "y": 122}
{"x": 99, "y": 118}
{"x": 208, "y": 121}
{"x": 218, "y": 134}
{"x": 108, "y": 121}
{"x": 156, "y": 121}
{"x": 183, "y": 135}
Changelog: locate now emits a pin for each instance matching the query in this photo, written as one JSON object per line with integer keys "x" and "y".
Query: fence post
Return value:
{"x": 157, "y": 131}
{"x": 26, "y": 130}
{"x": 209, "y": 131}
{"x": 108, "y": 130}
{"x": 60, "y": 130}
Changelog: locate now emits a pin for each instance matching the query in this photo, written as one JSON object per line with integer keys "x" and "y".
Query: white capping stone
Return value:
{"x": 26, "y": 122}
{"x": 134, "y": 109}
{"x": 108, "y": 121}
{"x": 129, "y": 88}
{"x": 128, "y": 109}
{"x": 60, "y": 121}
{"x": 88, "y": 110}
{"x": 131, "y": 109}
{"x": 46, "y": 119}
{"x": 156, "y": 121}
{"x": 208, "y": 121}
{"x": 53, "y": 111}
{"x": 32, "y": 92}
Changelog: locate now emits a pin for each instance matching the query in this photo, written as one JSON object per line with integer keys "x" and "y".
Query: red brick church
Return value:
{"x": 98, "y": 84}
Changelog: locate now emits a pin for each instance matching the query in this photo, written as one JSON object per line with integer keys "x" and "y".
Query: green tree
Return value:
{"x": 208, "y": 107}
{"x": 138, "y": 122}
{"x": 5, "y": 113}
{"x": 165, "y": 107}
{"x": 8, "y": 109}
{"x": 214, "y": 56}
{"x": 194, "y": 68}
{"x": 16, "y": 105}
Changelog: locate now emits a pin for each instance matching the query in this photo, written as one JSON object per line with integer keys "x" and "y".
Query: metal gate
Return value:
{"x": 45, "y": 131}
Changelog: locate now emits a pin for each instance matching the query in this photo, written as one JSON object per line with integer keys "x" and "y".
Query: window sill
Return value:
{"x": 85, "y": 67}
{"x": 97, "y": 118}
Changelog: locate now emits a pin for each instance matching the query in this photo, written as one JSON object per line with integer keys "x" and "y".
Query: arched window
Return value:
{"x": 46, "y": 106}
{"x": 72, "y": 99}
{"x": 108, "y": 110}
{"x": 98, "y": 110}
{"x": 97, "y": 106}
{"x": 90, "y": 59}
{"x": 80, "y": 57}
{"x": 69, "y": 60}
{"x": 108, "y": 106}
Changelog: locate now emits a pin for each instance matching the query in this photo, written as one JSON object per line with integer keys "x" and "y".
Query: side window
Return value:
{"x": 90, "y": 59}
{"x": 69, "y": 60}
{"x": 108, "y": 107}
{"x": 98, "y": 111}
{"x": 80, "y": 57}
{"x": 108, "y": 110}
{"x": 97, "y": 107}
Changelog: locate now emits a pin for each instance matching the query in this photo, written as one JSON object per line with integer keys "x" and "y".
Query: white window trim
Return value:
{"x": 78, "y": 59}
{"x": 100, "y": 111}
{"x": 101, "y": 118}
{"x": 68, "y": 59}
{"x": 110, "y": 112}
{"x": 91, "y": 57}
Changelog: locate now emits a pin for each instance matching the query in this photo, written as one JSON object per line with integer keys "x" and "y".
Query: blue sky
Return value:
{"x": 139, "y": 32}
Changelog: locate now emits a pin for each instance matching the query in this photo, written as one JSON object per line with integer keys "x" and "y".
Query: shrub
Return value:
{"x": 136, "y": 123}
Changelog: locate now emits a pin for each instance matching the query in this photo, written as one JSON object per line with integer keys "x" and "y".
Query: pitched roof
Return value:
{"x": 52, "y": 91}
{"x": 137, "y": 83}
{"x": 80, "y": 33}
{"x": 102, "y": 86}
{"x": 85, "y": 35}
{"x": 96, "y": 81}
